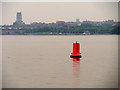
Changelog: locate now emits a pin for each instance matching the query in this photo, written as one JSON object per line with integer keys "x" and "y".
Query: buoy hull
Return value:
{"x": 76, "y": 51}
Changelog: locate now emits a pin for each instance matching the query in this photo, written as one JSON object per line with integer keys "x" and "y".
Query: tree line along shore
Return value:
{"x": 62, "y": 29}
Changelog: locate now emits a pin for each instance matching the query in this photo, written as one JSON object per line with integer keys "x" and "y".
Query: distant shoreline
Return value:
{"x": 60, "y": 34}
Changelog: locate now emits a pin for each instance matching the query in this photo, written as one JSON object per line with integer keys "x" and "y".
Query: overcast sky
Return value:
{"x": 52, "y": 12}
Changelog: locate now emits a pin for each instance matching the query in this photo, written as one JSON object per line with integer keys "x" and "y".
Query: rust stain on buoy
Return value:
{"x": 76, "y": 51}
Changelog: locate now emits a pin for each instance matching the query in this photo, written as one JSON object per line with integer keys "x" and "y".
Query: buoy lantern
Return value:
{"x": 76, "y": 51}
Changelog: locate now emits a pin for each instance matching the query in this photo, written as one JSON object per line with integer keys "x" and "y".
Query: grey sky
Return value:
{"x": 52, "y": 12}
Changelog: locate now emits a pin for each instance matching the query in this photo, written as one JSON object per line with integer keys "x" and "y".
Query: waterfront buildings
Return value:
{"x": 85, "y": 27}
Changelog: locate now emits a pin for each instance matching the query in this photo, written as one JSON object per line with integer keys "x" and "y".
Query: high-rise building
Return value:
{"x": 18, "y": 19}
{"x": 19, "y": 16}
{"x": 77, "y": 20}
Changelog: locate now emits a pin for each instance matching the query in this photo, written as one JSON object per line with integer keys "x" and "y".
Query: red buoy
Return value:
{"x": 76, "y": 51}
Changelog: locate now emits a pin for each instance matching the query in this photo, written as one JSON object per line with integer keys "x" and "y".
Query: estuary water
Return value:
{"x": 43, "y": 61}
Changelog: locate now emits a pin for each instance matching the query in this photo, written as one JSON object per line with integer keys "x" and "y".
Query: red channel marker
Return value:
{"x": 76, "y": 51}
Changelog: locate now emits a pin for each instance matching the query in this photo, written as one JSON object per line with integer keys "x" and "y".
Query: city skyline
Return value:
{"x": 52, "y": 12}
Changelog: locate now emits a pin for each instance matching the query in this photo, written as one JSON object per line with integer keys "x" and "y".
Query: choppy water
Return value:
{"x": 44, "y": 62}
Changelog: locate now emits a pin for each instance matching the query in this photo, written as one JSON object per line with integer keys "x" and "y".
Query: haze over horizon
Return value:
{"x": 49, "y": 12}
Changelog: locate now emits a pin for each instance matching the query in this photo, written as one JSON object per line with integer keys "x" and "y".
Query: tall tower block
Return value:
{"x": 77, "y": 20}
{"x": 19, "y": 16}
{"x": 18, "y": 19}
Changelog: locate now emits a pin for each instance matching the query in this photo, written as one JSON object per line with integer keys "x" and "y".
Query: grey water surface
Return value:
{"x": 43, "y": 61}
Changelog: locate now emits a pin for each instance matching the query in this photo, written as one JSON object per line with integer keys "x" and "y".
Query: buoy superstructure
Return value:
{"x": 76, "y": 51}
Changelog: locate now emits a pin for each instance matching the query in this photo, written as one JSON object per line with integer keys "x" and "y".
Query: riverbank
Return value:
{"x": 59, "y": 34}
